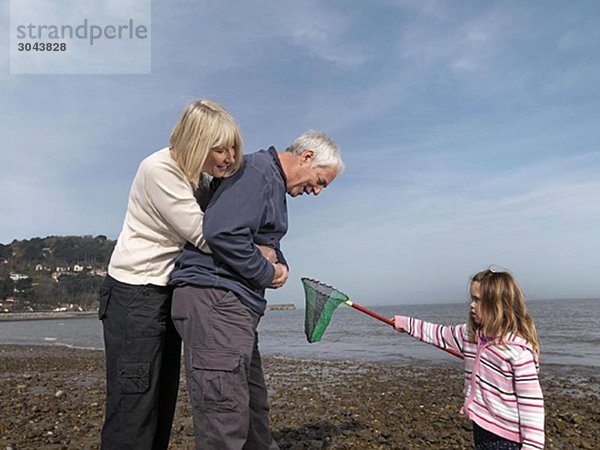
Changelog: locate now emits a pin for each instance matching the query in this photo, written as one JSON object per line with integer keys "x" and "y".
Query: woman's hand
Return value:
{"x": 268, "y": 253}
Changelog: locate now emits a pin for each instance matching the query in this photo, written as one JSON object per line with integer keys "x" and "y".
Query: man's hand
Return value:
{"x": 280, "y": 277}
{"x": 281, "y": 270}
{"x": 268, "y": 253}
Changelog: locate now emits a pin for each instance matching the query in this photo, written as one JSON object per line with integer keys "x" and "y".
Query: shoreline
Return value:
{"x": 548, "y": 369}
{"x": 46, "y": 315}
{"x": 52, "y": 397}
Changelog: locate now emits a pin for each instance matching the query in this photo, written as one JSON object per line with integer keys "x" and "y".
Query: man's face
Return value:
{"x": 306, "y": 179}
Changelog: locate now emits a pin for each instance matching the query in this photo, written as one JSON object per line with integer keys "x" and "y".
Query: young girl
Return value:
{"x": 500, "y": 347}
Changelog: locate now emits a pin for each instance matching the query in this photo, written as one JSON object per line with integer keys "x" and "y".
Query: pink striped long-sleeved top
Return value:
{"x": 502, "y": 389}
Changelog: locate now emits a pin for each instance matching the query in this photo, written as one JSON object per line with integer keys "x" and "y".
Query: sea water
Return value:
{"x": 568, "y": 332}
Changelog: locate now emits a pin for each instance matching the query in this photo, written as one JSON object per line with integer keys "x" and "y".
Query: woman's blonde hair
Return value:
{"x": 204, "y": 125}
{"x": 502, "y": 308}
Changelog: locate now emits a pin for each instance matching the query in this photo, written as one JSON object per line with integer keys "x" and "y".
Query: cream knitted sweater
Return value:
{"x": 162, "y": 215}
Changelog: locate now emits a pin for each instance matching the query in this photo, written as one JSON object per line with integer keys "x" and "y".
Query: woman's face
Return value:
{"x": 475, "y": 305}
{"x": 219, "y": 161}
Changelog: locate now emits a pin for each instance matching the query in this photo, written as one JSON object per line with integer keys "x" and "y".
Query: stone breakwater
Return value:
{"x": 52, "y": 398}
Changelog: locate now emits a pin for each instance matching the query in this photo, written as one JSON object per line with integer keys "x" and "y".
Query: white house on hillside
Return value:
{"x": 18, "y": 276}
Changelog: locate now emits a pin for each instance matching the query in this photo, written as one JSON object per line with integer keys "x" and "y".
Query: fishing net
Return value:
{"x": 321, "y": 301}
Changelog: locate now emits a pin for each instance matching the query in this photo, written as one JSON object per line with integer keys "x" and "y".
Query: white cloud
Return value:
{"x": 465, "y": 44}
{"x": 229, "y": 38}
{"x": 323, "y": 33}
{"x": 584, "y": 37}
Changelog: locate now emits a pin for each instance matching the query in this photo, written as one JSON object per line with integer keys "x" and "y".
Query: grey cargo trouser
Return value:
{"x": 223, "y": 367}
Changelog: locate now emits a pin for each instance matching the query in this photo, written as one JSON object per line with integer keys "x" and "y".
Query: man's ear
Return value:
{"x": 307, "y": 156}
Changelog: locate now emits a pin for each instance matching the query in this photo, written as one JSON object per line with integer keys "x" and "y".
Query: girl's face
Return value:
{"x": 218, "y": 161}
{"x": 475, "y": 305}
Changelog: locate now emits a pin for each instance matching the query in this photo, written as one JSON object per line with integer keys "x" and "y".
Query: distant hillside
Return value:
{"x": 52, "y": 272}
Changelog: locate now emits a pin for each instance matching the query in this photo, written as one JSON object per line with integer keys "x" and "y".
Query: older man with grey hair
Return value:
{"x": 220, "y": 297}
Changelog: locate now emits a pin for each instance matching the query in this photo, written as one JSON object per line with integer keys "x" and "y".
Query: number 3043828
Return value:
{"x": 42, "y": 47}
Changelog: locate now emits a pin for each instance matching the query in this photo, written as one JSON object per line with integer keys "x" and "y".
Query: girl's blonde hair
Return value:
{"x": 502, "y": 308}
{"x": 204, "y": 125}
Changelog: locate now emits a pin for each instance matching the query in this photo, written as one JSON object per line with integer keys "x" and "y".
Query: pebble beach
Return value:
{"x": 51, "y": 397}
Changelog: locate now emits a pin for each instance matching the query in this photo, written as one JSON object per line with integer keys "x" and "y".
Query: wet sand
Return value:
{"x": 52, "y": 398}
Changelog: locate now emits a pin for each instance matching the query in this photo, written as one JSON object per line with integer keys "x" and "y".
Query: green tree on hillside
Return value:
{"x": 6, "y": 287}
{"x": 31, "y": 251}
{"x": 41, "y": 290}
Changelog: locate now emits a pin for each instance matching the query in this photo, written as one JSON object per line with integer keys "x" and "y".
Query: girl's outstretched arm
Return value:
{"x": 442, "y": 336}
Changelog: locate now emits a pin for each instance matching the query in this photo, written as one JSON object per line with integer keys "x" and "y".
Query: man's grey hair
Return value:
{"x": 327, "y": 153}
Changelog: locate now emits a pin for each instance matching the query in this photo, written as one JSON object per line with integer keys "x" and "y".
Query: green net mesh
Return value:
{"x": 321, "y": 301}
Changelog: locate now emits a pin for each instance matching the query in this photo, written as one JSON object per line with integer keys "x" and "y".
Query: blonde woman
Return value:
{"x": 142, "y": 347}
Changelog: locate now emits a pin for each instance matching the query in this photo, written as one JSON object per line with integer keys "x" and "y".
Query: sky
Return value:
{"x": 469, "y": 130}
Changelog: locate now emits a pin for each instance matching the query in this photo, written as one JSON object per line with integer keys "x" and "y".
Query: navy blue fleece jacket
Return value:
{"x": 248, "y": 208}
